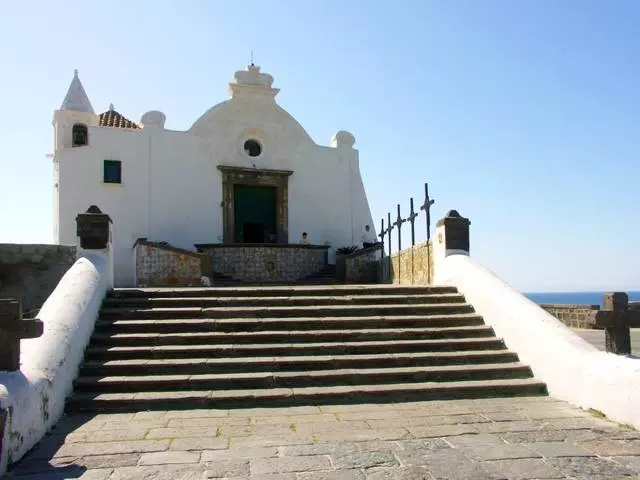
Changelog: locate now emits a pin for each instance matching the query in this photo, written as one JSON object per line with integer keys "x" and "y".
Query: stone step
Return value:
{"x": 298, "y": 379}
{"x": 181, "y": 302}
{"x": 284, "y": 290}
{"x": 292, "y": 345}
{"x": 297, "y": 336}
{"x": 293, "y": 349}
{"x": 296, "y": 311}
{"x": 150, "y": 366}
{"x": 385, "y": 393}
{"x": 287, "y": 324}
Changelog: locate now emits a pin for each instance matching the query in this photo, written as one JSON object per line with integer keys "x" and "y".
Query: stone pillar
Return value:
{"x": 453, "y": 231}
{"x": 617, "y": 332}
{"x": 94, "y": 236}
{"x": 451, "y": 238}
{"x": 10, "y": 313}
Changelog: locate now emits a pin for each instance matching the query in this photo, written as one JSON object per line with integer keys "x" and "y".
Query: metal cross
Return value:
{"x": 398, "y": 223}
{"x": 12, "y": 330}
{"x": 389, "y": 230}
{"x": 412, "y": 219}
{"x": 382, "y": 233}
{"x": 426, "y": 206}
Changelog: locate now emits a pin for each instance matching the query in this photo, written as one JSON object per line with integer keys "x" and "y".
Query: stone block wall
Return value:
{"x": 574, "y": 316}
{"x": 579, "y": 316}
{"x": 266, "y": 263}
{"x": 363, "y": 266}
{"x": 411, "y": 266}
{"x": 161, "y": 265}
{"x": 30, "y": 272}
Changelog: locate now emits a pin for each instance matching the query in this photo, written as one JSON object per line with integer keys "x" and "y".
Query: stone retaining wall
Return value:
{"x": 266, "y": 262}
{"x": 412, "y": 266}
{"x": 159, "y": 264}
{"x": 574, "y": 316}
{"x": 30, "y": 272}
{"x": 363, "y": 266}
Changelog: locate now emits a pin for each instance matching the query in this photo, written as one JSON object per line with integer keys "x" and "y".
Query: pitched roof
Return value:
{"x": 76, "y": 98}
{"x": 111, "y": 118}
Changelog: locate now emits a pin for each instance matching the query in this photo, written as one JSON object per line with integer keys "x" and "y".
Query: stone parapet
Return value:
{"x": 363, "y": 266}
{"x": 411, "y": 266}
{"x": 574, "y": 316}
{"x": 266, "y": 262}
{"x": 33, "y": 399}
{"x": 160, "y": 264}
{"x": 30, "y": 273}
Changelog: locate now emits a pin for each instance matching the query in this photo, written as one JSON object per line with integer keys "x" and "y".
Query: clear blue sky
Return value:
{"x": 523, "y": 115}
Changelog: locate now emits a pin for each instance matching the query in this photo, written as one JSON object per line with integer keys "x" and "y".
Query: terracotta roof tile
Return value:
{"x": 111, "y": 118}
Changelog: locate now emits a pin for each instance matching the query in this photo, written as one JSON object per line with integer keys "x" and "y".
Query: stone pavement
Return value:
{"x": 520, "y": 438}
{"x": 596, "y": 338}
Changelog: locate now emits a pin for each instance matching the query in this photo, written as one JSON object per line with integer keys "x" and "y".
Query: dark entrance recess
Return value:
{"x": 276, "y": 185}
{"x": 255, "y": 214}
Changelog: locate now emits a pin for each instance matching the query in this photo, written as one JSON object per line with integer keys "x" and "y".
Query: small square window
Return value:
{"x": 112, "y": 171}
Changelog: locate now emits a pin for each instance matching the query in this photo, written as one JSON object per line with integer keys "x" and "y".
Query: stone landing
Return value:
{"x": 265, "y": 263}
{"x": 516, "y": 438}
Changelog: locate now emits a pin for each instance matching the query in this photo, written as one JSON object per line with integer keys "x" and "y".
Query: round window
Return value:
{"x": 252, "y": 148}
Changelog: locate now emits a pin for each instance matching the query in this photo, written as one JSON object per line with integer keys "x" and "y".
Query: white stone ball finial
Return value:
{"x": 153, "y": 118}
{"x": 343, "y": 139}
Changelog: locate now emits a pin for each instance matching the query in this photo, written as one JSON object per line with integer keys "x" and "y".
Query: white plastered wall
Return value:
{"x": 172, "y": 189}
{"x": 573, "y": 369}
{"x": 35, "y": 395}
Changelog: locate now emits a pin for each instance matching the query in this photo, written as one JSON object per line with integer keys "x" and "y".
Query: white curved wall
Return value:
{"x": 573, "y": 369}
{"x": 35, "y": 395}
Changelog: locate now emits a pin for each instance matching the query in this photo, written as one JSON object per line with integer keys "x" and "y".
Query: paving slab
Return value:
{"x": 351, "y": 460}
{"x": 518, "y": 438}
{"x": 524, "y": 469}
{"x": 171, "y": 457}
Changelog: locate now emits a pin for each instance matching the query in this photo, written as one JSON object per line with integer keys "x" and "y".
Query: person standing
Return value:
{"x": 368, "y": 237}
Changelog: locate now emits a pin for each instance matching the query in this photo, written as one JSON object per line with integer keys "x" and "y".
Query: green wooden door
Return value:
{"x": 254, "y": 214}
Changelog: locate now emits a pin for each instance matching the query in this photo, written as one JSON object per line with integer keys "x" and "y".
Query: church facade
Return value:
{"x": 246, "y": 172}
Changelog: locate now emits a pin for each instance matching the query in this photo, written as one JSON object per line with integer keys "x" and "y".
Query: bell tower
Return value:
{"x": 73, "y": 120}
{"x": 72, "y": 124}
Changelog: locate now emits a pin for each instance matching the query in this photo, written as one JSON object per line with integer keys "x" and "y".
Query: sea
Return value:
{"x": 578, "y": 298}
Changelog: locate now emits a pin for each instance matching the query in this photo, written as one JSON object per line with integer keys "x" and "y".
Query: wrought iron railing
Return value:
{"x": 411, "y": 218}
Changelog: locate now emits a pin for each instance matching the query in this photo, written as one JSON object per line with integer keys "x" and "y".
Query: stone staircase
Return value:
{"x": 295, "y": 345}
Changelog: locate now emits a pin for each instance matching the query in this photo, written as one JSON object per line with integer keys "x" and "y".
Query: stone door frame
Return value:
{"x": 254, "y": 177}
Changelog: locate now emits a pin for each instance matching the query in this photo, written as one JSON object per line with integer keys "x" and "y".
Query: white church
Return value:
{"x": 246, "y": 172}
